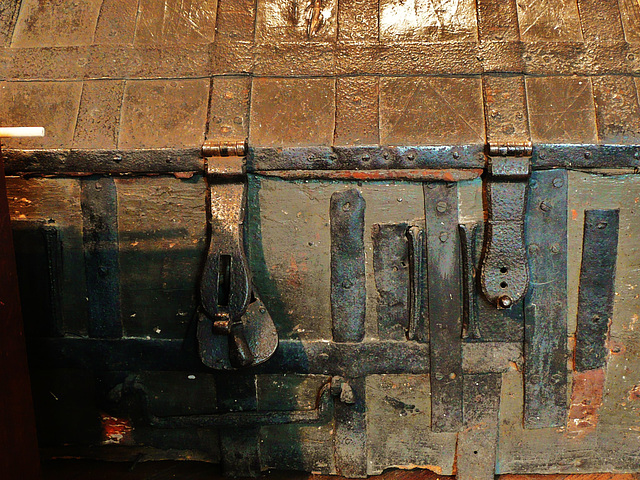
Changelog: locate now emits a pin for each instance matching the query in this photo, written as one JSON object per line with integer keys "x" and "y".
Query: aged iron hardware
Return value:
{"x": 133, "y": 389}
{"x": 504, "y": 275}
{"x": 234, "y": 329}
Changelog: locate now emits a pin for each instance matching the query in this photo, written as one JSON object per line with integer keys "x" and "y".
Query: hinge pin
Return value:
{"x": 524, "y": 149}
{"x": 224, "y": 148}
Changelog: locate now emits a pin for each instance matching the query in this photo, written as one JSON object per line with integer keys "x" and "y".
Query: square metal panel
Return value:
{"x": 292, "y": 112}
{"x": 282, "y": 21}
{"x": 428, "y": 20}
{"x": 431, "y": 111}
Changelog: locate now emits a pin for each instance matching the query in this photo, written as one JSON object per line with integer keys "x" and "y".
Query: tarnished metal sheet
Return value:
{"x": 116, "y": 23}
{"x": 175, "y": 21}
{"x": 282, "y": 21}
{"x": 431, "y": 111}
{"x": 505, "y": 109}
{"x": 357, "y": 108}
{"x": 348, "y": 291}
{"x": 101, "y": 248}
{"x": 428, "y": 20}
{"x": 391, "y": 268}
{"x": 597, "y": 287}
{"x": 561, "y": 110}
{"x": 52, "y": 105}
{"x": 445, "y": 305}
{"x": 617, "y": 110}
{"x": 630, "y": 10}
{"x": 229, "y": 108}
{"x": 545, "y": 346}
{"x": 498, "y": 20}
{"x": 98, "y": 120}
{"x": 477, "y": 443}
{"x": 164, "y": 113}
{"x": 8, "y": 16}
{"x": 398, "y": 426}
{"x": 358, "y": 20}
{"x": 549, "y": 20}
{"x": 292, "y": 112}
{"x": 601, "y": 20}
{"x": 56, "y": 24}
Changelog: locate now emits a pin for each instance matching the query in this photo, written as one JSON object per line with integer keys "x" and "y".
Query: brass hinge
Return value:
{"x": 519, "y": 149}
{"x": 224, "y": 158}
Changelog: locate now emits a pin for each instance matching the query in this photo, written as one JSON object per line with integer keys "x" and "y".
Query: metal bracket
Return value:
{"x": 504, "y": 273}
{"x": 235, "y": 329}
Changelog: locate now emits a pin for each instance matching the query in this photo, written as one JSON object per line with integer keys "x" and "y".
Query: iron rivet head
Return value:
{"x": 637, "y": 155}
{"x": 444, "y": 236}
{"x": 346, "y": 207}
{"x": 347, "y": 284}
{"x": 366, "y": 158}
{"x": 587, "y": 154}
{"x": 411, "y": 156}
{"x": 555, "y": 248}
{"x": 98, "y": 186}
{"x": 102, "y": 271}
{"x": 545, "y": 207}
{"x": 631, "y": 57}
{"x": 602, "y": 225}
{"x": 616, "y": 350}
{"x": 456, "y": 155}
{"x": 558, "y": 182}
{"x": 385, "y": 155}
{"x": 452, "y": 376}
{"x": 542, "y": 155}
{"x": 441, "y": 207}
{"x": 534, "y": 249}
{"x": 431, "y": 185}
{"x": 505, "y": 301}
{"x": 439, "y": 376}
{"x": 117, "y": 158}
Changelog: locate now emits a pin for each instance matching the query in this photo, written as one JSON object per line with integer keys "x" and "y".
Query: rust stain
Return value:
{"x": 634, "y": 393}
{"x": 586, "y": 400}
{"x": 116, "y": 430}
{"x": 574, "y": 214}
{"x": 294, "y": 273}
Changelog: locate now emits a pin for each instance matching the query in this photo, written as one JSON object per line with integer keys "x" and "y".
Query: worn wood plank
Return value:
{"x": 20, "y": 457}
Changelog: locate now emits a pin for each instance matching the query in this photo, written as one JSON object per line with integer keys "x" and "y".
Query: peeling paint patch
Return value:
{"x": 634, "y": 393}
{"x": 586, "y": 400}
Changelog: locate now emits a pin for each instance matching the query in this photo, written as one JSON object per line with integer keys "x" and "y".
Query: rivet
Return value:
{"x": 439, "y": 376}
{"x": 602, "y": 225}
{"x": 346, "y": 207}
{"x": 262, "y": 310}
{"x": 441, "y": 207}
{"x": 347, "y": 284}
{"x": 444, "y": 236}
{"x": 411, "y": 156}
{"x": 452, "y": 376}
{"x": 587, "y": 155}
{"x": 456, "y": 155}
{"x": 117, "y": 158}
{"x": 366, "y": 158}
{"x": 637, "y": 155}
{"x": 431, "y": 186}
{"x": 102, "y": 271}
{"x": 558, "y": 182}
{"x": 545, "y": 207}
{"x": 98, "y": 186}
{"x": 505, "y": 301}
{"x": 631, "y": 57}
{"x": 555, "y": 248}
{"x": 616, "y": 350}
